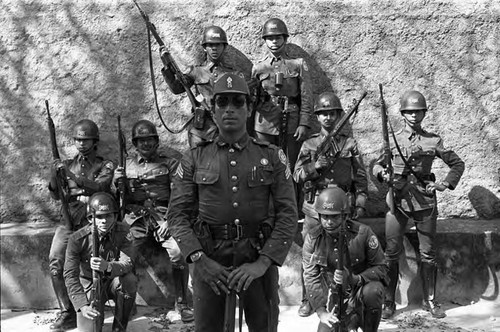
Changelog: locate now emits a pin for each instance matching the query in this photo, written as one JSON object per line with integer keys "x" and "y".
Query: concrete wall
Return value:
{"x": 89, "y": 59}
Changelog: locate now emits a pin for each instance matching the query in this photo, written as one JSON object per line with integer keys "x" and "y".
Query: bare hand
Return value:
{"x": 98, "y": 264}
{"x": 321, "y": 163}
{"x": 328, "y": 318}
{"x": 386, "y": 175}
{"x": 214, "y": 274}
{"x": 119, "y": 173}
{"x": 162, "y": 230}
{"x": 57, "y": 165}
{"x": 301, "y": 133}
{"x": 241, "y": 277}
{"x": 359, "y": 212}
{"x": 89, "y": 312}
{"x": 338, "y": 277}
{"x": 163, "y": 55}
{"x": 433, "y": 186}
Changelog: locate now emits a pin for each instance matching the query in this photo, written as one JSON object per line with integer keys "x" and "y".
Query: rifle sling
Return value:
{"x": 405, "y": 161}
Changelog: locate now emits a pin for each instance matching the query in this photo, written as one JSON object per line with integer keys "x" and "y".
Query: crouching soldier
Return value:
{"x": 93, "y": 279}
{"x": 362, "y": 276}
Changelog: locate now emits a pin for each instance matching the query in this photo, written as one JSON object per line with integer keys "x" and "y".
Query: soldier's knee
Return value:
{"x": 373, "y": 294}
{"x": 128, "y": 284}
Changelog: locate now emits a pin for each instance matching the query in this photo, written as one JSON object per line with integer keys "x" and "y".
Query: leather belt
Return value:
{"x": 234, "y": 232}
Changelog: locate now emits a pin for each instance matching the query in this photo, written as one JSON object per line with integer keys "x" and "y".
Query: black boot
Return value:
{"x": 305, "y": 309}
{"x": 181, "y": 278}
{"x": 371, "y": 320}
{"x": 123, "y": 309}
{"x": 389, "y": 307}
{"x": 67, "y": 318}
{"x": 428, "y": 273}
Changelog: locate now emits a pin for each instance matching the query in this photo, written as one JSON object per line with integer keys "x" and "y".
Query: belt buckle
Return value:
{"x": 239, "y": 232}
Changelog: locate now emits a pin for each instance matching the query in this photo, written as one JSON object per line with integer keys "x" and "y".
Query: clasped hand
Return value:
{"x": 98, "y": 264}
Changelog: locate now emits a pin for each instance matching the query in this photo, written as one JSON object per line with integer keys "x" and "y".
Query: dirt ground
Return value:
{"x": 483, "y": 316}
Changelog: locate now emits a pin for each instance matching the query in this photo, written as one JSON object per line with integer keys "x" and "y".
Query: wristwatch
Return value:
{"x": 196, "y": 256}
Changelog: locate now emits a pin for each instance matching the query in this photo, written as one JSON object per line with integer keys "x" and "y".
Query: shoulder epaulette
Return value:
{"x": 315, "y": 232}
{"x": 202, "y": 143}
{"x": 260, "y": 142}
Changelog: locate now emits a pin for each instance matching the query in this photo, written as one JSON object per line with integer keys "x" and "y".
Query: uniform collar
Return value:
{"x": 271, "y": 58}
{"x": 90, "y": 158}
{"x": 140, "y": 159}
{"x": 325, "y": 133}
{"x": 410, "y": 133}
{"x": 239, "y": 145}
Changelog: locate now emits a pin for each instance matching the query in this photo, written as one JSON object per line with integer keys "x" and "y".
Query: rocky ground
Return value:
{"x": 483, "y": 316}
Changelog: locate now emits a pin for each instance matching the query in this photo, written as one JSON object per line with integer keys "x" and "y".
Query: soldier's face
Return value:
{"x": 105, "y": 222}
{"x": 331, "y": 223}
{"x": 275, "y": 43}
{"x": 231, "y": 112}
{"x": 214, "y": 50}
{"x": 146, "y": 146}
{"x": 84, "y": 146}
{"x": 413, "y": 118}
{"x": 328, "y": 119}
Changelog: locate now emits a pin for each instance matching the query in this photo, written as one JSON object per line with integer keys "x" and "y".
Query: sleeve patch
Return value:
{"x": 373, "y": 242}
{"x": 305, "y": 66}
{"x": 284, "y": 161}
{"x": 180, "y": 171}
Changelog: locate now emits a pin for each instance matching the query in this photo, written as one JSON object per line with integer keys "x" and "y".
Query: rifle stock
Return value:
{"x": 230, "y": 312}
{"x": 387, "y": 150}
{"x": 122, "y": 163}
{"x": 95, "y": 293}
{"x": 61, "y": 178}
{"x": 169, "y": 62}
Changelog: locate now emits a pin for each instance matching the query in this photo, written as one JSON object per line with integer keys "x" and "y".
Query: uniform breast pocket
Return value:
{"x": 260, "y": 176}
{"x": 346, "y": 154}
{"x": 205, "y": 176}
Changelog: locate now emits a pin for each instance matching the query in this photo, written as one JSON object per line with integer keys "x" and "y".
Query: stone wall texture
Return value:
{"x": 89, "y": 59}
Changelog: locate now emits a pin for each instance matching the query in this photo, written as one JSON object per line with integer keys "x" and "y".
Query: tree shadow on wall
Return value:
{"x": 486, "y": 203}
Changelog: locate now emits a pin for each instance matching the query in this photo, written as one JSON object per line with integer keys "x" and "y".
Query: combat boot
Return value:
{"x": 123, "y": 310}
{"x": 429, "y": 275}
{"x": 390, "y": 293}
{"x": 181, "y": 278}
{"x": 305, "y": 309}
{"x": 67, "y": 317}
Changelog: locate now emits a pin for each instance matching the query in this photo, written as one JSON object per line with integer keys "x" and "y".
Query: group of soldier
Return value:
{"x": 229, "y": 207}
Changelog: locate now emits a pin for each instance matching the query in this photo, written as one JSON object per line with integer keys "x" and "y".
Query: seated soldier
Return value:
{"x": 113, "y": 265}
{"x": 363, "y": 275}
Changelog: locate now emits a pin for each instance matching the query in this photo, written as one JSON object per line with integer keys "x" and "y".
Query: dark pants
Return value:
{"x": 126, "y": 285}
{"x": 259, "y": 301}
{"x": 395, "y": 228}
{"x": 367, "y": 300}
{"x": 57, "y": 252}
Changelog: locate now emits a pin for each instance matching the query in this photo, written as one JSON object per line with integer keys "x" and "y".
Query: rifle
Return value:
{"x": 169, "y": 62}
{"x": 95, "y": 292}
{"x": 230, "y": 312}
{"x": 61, "y": 178}
{"x": 123, "y": 164}
{"x": 387, "y": 150}
{"x": 339, "y": 287}
{"x": 327, "y": 145}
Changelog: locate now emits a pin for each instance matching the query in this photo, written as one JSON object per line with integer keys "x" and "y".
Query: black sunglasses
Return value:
{"x": 237, "y": 101}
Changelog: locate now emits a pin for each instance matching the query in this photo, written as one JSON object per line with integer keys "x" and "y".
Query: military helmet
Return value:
{"x": 102, "y": 203}
{"x": 86, "y": 129}
{"x": 331, "y": 200}
{"x": 143, "y": 129}
{"x": 231, "y": 83}
{"x": 412, "y": 101}
{"x": 274, "y": 27}
{"x": 215, "y": 35}
{"x": 327, "y": 101}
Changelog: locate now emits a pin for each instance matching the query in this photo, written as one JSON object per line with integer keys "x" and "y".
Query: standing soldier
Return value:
{"x": 363, "y": 275}
{"x": 413, "y": 151}
{"x": 235, "y": 244}
{"x": 114, "y": 264}
{"x": 148, "y": 179}
{"x": 203, "y": 76}
{"x": 343, "y": 168}
{"x": 284, "y": 93}
{"x": 87, "y": 173}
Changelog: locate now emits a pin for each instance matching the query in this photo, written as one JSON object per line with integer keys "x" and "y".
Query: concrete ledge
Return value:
{"x": 468, "y": 258}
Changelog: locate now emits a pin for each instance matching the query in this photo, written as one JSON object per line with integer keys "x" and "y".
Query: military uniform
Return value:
{"x": 365, "y": 258}
{"x": 202, "y": 77}
{"x": 119, "y": 283}
{"x": 347, "y": 173}
{"x": 295, "y": 94}
{"x": 419, "y": 148}
{"x": 93, "y": 174}
{"x": 234, "y": 187}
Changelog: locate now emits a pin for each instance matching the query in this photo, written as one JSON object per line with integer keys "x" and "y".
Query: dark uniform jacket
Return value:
{"x": 419, "y": 149}
{"x": 244, "y": 183}
{"x": 297, "y": 87}
{"x": 320, "y": 256}
{"x": 116, "y": 248}
{"x": 94, "y": 174}
{"x": 348, "y": 172}
{"x": 202, "y": 77}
